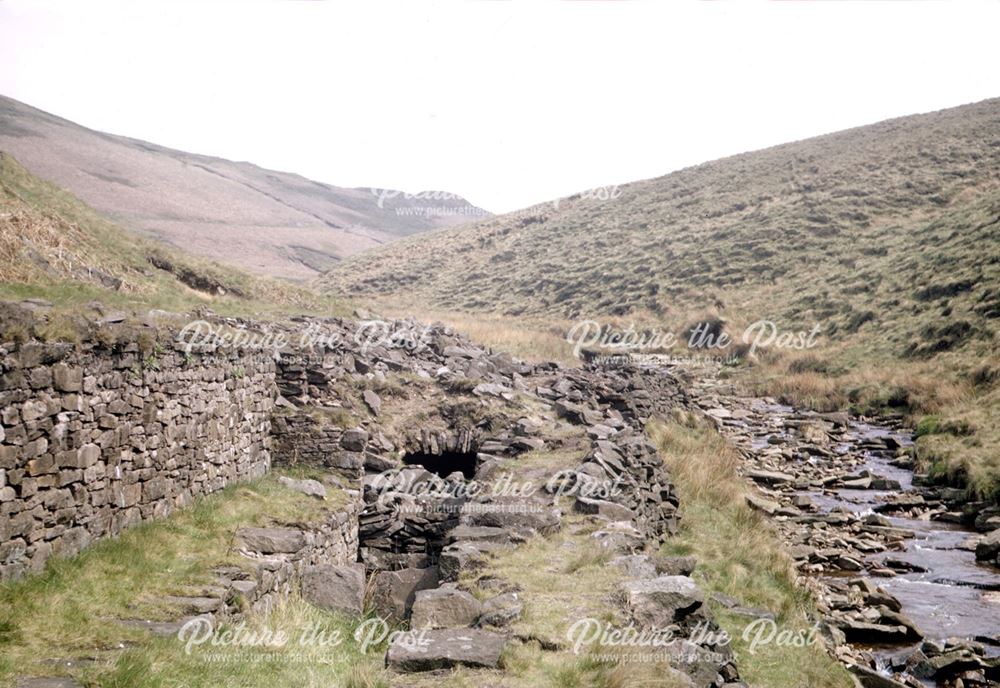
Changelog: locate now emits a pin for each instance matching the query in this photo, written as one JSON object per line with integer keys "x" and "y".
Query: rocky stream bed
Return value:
{"x": 906, "y": 580}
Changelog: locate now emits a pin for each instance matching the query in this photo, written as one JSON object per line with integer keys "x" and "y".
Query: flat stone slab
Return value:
{"x": 660, "y": 602}
{"x": 761, "y": 504}
{"x": 311, "y": 488}
{"x": 603, "y": 508}
{"x": 161, "y": 629}
{"x": 195, "y": 605}
{"x": 770, "y": 477}
{"x": 446, "y": 648}
{"x": 501, "y": 610}
{"x": 395, "y": 591}
{"x": 48, "y": 682}
{"x": 338, "y": 588}
{"x": 270, "y": 540}
{"x": 444, "y": 608}
{"x": 466, "y": 533}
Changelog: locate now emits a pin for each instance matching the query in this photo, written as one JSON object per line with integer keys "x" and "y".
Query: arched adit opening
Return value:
{"x": 445, "y": 463}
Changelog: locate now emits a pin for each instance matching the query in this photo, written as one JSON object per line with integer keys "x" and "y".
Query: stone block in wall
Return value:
{"x": 66, "y": 378}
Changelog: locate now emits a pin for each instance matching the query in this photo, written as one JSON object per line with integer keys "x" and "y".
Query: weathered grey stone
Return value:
{"x": 501, "y": 610}
{"x": 354, "y": 439}
{"x": 660, "y": 602}
{"x": 464, "y": 555}
{"x": 395, "y": 591}
{"x": 443, "y": 649}
{"x": 444, "y": 608}
{"x": 636, "y": 565}
{"x": 534, "y": 519}
{"x": 66, "y": 378}
{"x": 33, "y": 410}
{"x": 195, "y": 605}
{"x": 338, "y": 588}
{"x": 675, "y": 566}
{"x": 270, "y": 540}
{"x": 619, "y": 537}
{"x": 348, "y": 460}
{"x": 947, "y": 665}
{"x": 312, "y": 488}
{"x": 373, "y": 401}
{"x": 988, "y": 548}
{"x": 478, "y": 534}
{"x": 870, "y": 678}
{"x": 605, "y": 509}
{"x": 760, "y": 503}
{"x": 770, "y": 477}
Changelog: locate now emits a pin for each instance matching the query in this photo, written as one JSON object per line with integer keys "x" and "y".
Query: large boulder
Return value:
{"x": 395, "y": 591}
{"x": 354, "y": 440}
{"x": 442, "y": 649}
{"x": 501, "y": 610}
{"x": 636, "y": 565}
{"x": 338, "y": 588}
{"x": 988, "y": 548}
{"x": 444, "y": 608}
{"x": 660, "y": 602}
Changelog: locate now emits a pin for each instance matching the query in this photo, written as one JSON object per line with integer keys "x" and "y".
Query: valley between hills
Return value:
{"x": 842, "y": 493}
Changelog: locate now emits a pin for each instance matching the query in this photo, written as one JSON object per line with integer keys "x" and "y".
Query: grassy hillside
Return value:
{"x": 55, "y": 247}
{"x": 886, "y": 236}
{"x": 264, "y": 221}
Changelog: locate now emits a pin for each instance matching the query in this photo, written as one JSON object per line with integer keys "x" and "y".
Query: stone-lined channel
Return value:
{"x": 842, "y": 492}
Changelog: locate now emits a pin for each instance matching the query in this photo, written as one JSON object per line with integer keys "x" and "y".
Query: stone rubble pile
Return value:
{"x": 92, "y": 440}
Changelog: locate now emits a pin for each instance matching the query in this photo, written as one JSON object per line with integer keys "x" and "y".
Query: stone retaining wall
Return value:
{"x": 281, "y": 555}
{"x": 96, "y": 438}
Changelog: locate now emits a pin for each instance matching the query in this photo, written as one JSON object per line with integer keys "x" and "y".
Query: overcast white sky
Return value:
{"x": 505, "y": 103}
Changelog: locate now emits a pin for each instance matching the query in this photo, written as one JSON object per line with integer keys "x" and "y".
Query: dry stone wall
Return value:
{"x": 95, "y": 438}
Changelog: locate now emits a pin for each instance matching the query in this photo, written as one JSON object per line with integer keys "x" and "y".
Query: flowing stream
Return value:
{"x": 949, "y": 594}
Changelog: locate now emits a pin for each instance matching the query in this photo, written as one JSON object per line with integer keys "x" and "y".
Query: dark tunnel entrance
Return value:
{"x": 445, "y": 463}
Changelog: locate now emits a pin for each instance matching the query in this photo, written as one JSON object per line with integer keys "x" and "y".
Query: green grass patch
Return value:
{"x": 740, "y": 555}
{"x": 69, "y": 609}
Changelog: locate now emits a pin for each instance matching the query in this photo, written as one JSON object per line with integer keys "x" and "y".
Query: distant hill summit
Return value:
{"x": 268, "y": 222}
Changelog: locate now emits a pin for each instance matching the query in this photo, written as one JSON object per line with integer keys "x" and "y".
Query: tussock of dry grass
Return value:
{"x": 824, "y": 381}
{"x": 739, "y": 554}
{"x": 525, "y": 338}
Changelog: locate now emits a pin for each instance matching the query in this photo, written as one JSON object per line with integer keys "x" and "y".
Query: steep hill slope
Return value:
{"x": 269, "y": 222}
{"x": 886, "y": 236}
{"x": 815, "y": 229}
{"x": 55, "y": 247}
